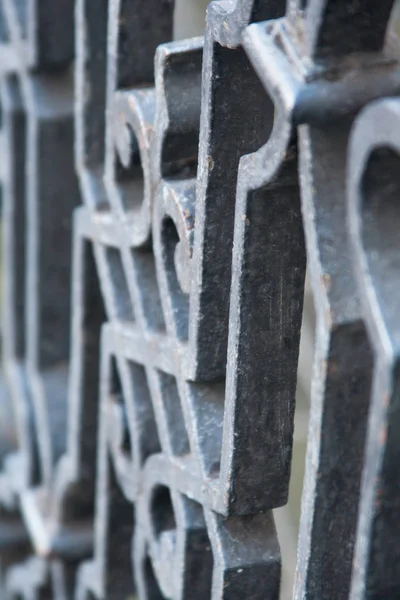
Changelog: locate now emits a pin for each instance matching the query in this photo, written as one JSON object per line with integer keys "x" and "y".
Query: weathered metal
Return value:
{"x": 151, "y": 334}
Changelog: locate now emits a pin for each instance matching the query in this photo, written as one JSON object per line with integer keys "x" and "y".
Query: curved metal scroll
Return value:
{"x": 373, "y": 160}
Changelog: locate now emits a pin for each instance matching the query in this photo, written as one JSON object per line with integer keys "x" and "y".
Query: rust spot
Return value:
{"x": 329, "y": 315}
{"x": 383, "y": 433}
{"x": 332, "y": 367}
{"x": 326, "y": 281}
{"x": 378, "y": 498}
{"x": 386, "y": 401}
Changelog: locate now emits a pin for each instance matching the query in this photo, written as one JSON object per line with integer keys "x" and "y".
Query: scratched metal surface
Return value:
{"x": 160, "y": 197}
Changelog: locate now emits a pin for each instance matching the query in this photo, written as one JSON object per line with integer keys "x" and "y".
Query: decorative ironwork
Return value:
{"x": 151, "y": 334}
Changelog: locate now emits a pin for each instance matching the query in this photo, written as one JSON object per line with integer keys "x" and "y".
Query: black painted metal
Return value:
{"x": 155, "y": 194}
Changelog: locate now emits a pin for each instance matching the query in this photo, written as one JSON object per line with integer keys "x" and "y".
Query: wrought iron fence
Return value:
{"x": 156, "y": 194}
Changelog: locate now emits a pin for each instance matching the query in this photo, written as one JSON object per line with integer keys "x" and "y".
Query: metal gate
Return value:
{"x": 159, "y": 201}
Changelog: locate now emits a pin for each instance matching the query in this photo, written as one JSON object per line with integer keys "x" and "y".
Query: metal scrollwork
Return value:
{"x": 161, "y": 199}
